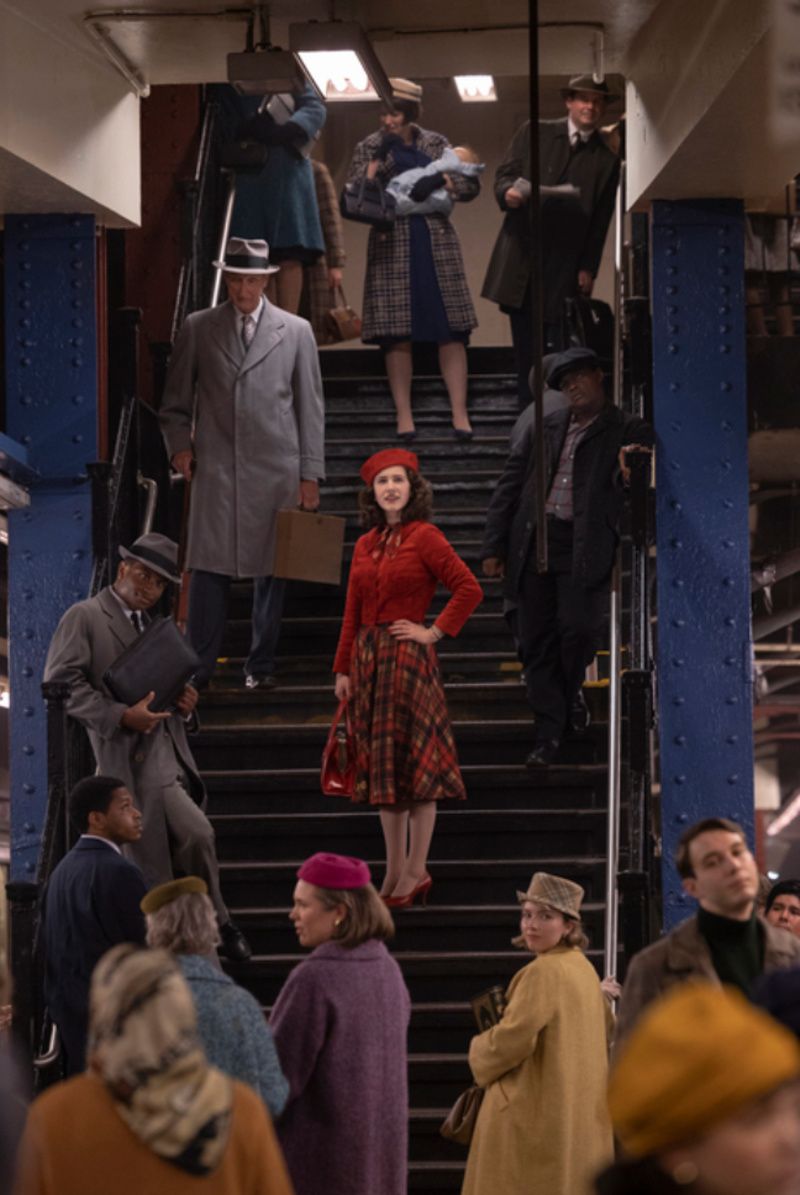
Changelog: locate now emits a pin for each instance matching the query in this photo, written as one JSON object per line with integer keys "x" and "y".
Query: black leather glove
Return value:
{"x": 424, "y": 187}
{"x": 389, "y": 142}
{"x": 263, "y": 128}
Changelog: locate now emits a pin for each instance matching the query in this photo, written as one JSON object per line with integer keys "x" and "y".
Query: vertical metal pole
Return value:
{"x": 537, "y": 338}
{"x": 223, "y": 240}
{"x": 615, "y": 612}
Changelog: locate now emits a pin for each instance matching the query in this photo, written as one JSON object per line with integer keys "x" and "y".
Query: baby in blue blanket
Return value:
{"x": 421, "y": 191}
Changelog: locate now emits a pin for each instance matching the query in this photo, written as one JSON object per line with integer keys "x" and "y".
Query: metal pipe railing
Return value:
{"x": 611, "y": 936}
{"x": 223, "y": 240}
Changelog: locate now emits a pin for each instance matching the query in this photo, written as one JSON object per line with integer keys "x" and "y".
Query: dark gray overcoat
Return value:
{"x": 387, "y": 288}
{"x": 259, "y": 428}
{"x": 573, "y": 230}
{"x": 597, "y": 496}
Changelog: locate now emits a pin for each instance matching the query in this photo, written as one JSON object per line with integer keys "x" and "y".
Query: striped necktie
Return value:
{"x": 248, "y": 330}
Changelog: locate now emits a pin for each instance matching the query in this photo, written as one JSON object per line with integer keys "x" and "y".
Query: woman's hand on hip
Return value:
{"x": 404, "y": 630}
{"x": 342, "y": 687}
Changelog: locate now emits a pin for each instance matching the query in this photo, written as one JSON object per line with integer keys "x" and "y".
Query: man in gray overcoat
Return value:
{"x": 243, "y": 418}
{"x": 148, "y": 751}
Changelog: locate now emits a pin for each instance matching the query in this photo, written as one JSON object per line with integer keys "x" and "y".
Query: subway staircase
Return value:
{"x": 260, "y": 756}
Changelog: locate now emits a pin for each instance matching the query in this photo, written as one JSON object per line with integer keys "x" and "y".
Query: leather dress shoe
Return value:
{"x": 234, "y": 944}
{"x": 579, "y": 716}
{"x": 257, "y": 680}
{"x": 543, "y": 753}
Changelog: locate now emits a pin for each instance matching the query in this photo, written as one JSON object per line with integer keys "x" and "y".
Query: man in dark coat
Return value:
{"x": 91, "y": 904}
{"x": 147, "y": 749}
{"x": 578, "y": 176}
{"x": 559, "y": 613}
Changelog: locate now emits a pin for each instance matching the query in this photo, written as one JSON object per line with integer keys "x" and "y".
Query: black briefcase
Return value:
{"x": 161, "y": 660}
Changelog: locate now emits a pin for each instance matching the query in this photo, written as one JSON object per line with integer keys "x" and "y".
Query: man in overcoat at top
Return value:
{"x": 149, "y": 751}
{"x": 243, "y": 418}
{"x": 91, "y": 904}
{"x": 574, "y": 222}
{"x": 557, "y": 615}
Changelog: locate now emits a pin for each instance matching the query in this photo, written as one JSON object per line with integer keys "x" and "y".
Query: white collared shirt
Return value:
{"x": 99, "y": 838}
{"x": 575, "y": 132}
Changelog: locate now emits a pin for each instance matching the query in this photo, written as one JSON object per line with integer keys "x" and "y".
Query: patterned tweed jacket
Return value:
{"x": 387, "y": 292}
{"x": 320, "y": 297}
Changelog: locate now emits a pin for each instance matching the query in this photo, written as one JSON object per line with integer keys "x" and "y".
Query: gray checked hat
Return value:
{"x": 246, "y": 257}
{"x": 558, "y": 893}
{"x": 156, "y": 552}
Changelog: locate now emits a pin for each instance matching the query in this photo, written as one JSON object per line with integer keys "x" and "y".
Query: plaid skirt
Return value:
{"x": 403, "y": 740}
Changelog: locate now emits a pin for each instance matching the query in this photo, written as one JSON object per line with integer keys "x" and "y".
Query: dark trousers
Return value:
{"x": 558, "y": 623}
{"x": 521, "y": 319}
{"x": 208, "y": 607}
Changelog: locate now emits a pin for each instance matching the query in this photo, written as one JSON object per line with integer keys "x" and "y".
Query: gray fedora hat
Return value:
{"x": 156, "y": 552}
{"x": 589, "y": 83}
{"x": 246, "y": 257}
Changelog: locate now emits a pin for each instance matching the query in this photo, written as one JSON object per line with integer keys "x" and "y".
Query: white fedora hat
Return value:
{"x": 246, "y": 257}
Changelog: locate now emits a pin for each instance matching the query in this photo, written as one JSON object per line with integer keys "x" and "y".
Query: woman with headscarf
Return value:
{"x": 386, "y": 666}
{"x": 416, "y": 289}
{"x": 543, "y": 1127}
{"x": 340, "y": 1023}
{"x": 705, "y": 1100}
{"x": 150, "y": 1114}
{"x": 230, "y": 1022}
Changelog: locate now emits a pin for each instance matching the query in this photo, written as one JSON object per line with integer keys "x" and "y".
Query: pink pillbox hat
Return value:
{"x": 334, "y": 871}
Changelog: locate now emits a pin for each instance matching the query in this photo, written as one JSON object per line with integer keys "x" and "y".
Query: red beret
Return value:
{"x": 334, "y": 871}
{"x": 384, "y": 460}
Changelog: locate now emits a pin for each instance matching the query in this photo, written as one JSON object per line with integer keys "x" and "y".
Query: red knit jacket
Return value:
{"x": 403, "y": 585}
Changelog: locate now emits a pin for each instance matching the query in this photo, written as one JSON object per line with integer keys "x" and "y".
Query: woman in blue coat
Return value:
{"x": 277, "y": 203}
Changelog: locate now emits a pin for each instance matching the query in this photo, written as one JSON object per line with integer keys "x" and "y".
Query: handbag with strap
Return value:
{"x": 342, "y": 322}
{"x": 459, "y": 1124}
{"x": 338, "y": 774}
{"x": 368, "y": 203}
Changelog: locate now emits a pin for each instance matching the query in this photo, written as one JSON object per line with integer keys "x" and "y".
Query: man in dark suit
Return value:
{"x": 578, "y": 177}
{"x": 559, "y": 613}
{"x": 147, "y": 749}
{"x": 91, "y": 904}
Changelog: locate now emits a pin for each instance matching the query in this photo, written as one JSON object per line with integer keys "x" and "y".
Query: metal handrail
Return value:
{"x": 611, "y": 936}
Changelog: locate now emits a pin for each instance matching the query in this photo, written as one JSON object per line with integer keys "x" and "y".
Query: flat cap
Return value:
{"x": 164, "y": 894}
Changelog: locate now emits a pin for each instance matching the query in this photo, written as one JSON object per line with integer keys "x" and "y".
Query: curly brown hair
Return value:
{"x": 419, "y": 505}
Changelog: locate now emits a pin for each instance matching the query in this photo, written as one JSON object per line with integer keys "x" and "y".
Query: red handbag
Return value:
{"x": 338, "y": 775}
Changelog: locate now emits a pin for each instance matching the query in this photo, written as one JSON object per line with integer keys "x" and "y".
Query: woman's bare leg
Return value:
{"x": 421, "y": 824}
{"x": 453, "y": 364}
{"x": 394, "y": 824}
{"x": 285, "y": 287}
{"x": 399, "y": 367}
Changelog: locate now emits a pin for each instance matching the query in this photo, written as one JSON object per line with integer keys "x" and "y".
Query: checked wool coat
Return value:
{"x": 387, "y": 290}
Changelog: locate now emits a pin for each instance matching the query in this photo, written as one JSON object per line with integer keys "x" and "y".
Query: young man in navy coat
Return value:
{"x": 91, "y": 904}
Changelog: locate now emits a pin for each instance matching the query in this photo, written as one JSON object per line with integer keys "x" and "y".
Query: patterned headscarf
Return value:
{"x": 143, "y": 1043}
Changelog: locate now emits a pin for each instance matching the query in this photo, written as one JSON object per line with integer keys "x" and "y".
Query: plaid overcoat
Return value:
{"x": 387, "y": 289}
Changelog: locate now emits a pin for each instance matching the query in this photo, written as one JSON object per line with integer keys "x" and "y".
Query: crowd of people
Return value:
{"x": 174, "y": 1079}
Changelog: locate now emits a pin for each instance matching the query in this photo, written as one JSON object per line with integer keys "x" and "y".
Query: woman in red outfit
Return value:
{"x": 386, "y": 665}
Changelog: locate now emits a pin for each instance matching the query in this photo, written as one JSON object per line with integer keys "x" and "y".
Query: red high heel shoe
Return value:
{"x": 405, "y": 902}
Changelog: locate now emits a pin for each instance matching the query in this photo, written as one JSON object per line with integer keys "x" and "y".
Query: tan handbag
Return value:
{"x": 459, "y": 1124}
{"x": 342, "y": 322}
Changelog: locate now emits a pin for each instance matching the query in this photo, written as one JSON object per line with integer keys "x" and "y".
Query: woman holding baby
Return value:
{"x": 415, "y": 288}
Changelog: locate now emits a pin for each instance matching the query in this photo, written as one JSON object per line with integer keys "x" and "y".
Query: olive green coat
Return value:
{"x": 543, "y": 1127}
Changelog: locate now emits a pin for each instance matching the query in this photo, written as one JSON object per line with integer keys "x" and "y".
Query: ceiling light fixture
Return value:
{"x": 339, "y": 61}
{"x": 476, "y": 89}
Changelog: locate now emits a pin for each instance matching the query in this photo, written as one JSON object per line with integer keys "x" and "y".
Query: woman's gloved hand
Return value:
{"x": 388, "y": 142}
{"x": 424, "y": 187}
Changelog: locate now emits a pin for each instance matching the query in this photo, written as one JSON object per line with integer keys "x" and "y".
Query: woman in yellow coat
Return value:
{"x": 543, "y": 1127}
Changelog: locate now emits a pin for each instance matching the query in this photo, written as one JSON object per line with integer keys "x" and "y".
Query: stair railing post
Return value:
{"x": 223, "y": 239}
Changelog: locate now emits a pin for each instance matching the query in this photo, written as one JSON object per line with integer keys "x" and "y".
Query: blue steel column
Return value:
{"x": 51, "y": 407}
{"x": 704, "y": 636}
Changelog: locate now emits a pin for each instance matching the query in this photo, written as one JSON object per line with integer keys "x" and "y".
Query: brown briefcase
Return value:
{"x": 309, "y": 547}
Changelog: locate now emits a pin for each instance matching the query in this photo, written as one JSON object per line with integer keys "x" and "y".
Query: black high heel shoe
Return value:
{"x": 407, "y": 437}
{"x": 463, "y": 434}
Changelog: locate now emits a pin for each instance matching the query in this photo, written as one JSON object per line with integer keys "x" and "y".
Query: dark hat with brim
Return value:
{"x": 589, "y": 83}
{"x": 578, "y": 357}
{"x": 156, "y": 552}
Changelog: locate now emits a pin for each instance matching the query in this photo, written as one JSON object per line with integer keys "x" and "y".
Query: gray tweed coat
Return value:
{"x": 387, "y": 291}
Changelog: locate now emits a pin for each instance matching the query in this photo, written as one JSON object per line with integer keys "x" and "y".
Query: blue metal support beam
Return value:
{"x": 51, "y": 404}
{"x": 704, "y": 634}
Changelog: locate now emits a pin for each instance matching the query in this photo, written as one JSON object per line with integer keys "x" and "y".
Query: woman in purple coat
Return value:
{"x": 340, "y": 1025}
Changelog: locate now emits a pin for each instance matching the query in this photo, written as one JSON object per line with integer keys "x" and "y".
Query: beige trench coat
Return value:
{"x": 543, "y": 1127}
{"x": 260, "y": 428}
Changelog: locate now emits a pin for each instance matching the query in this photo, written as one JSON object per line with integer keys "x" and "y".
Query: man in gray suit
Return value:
{"x": 148, "y": 751}
{"x": 243, "y": 418}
